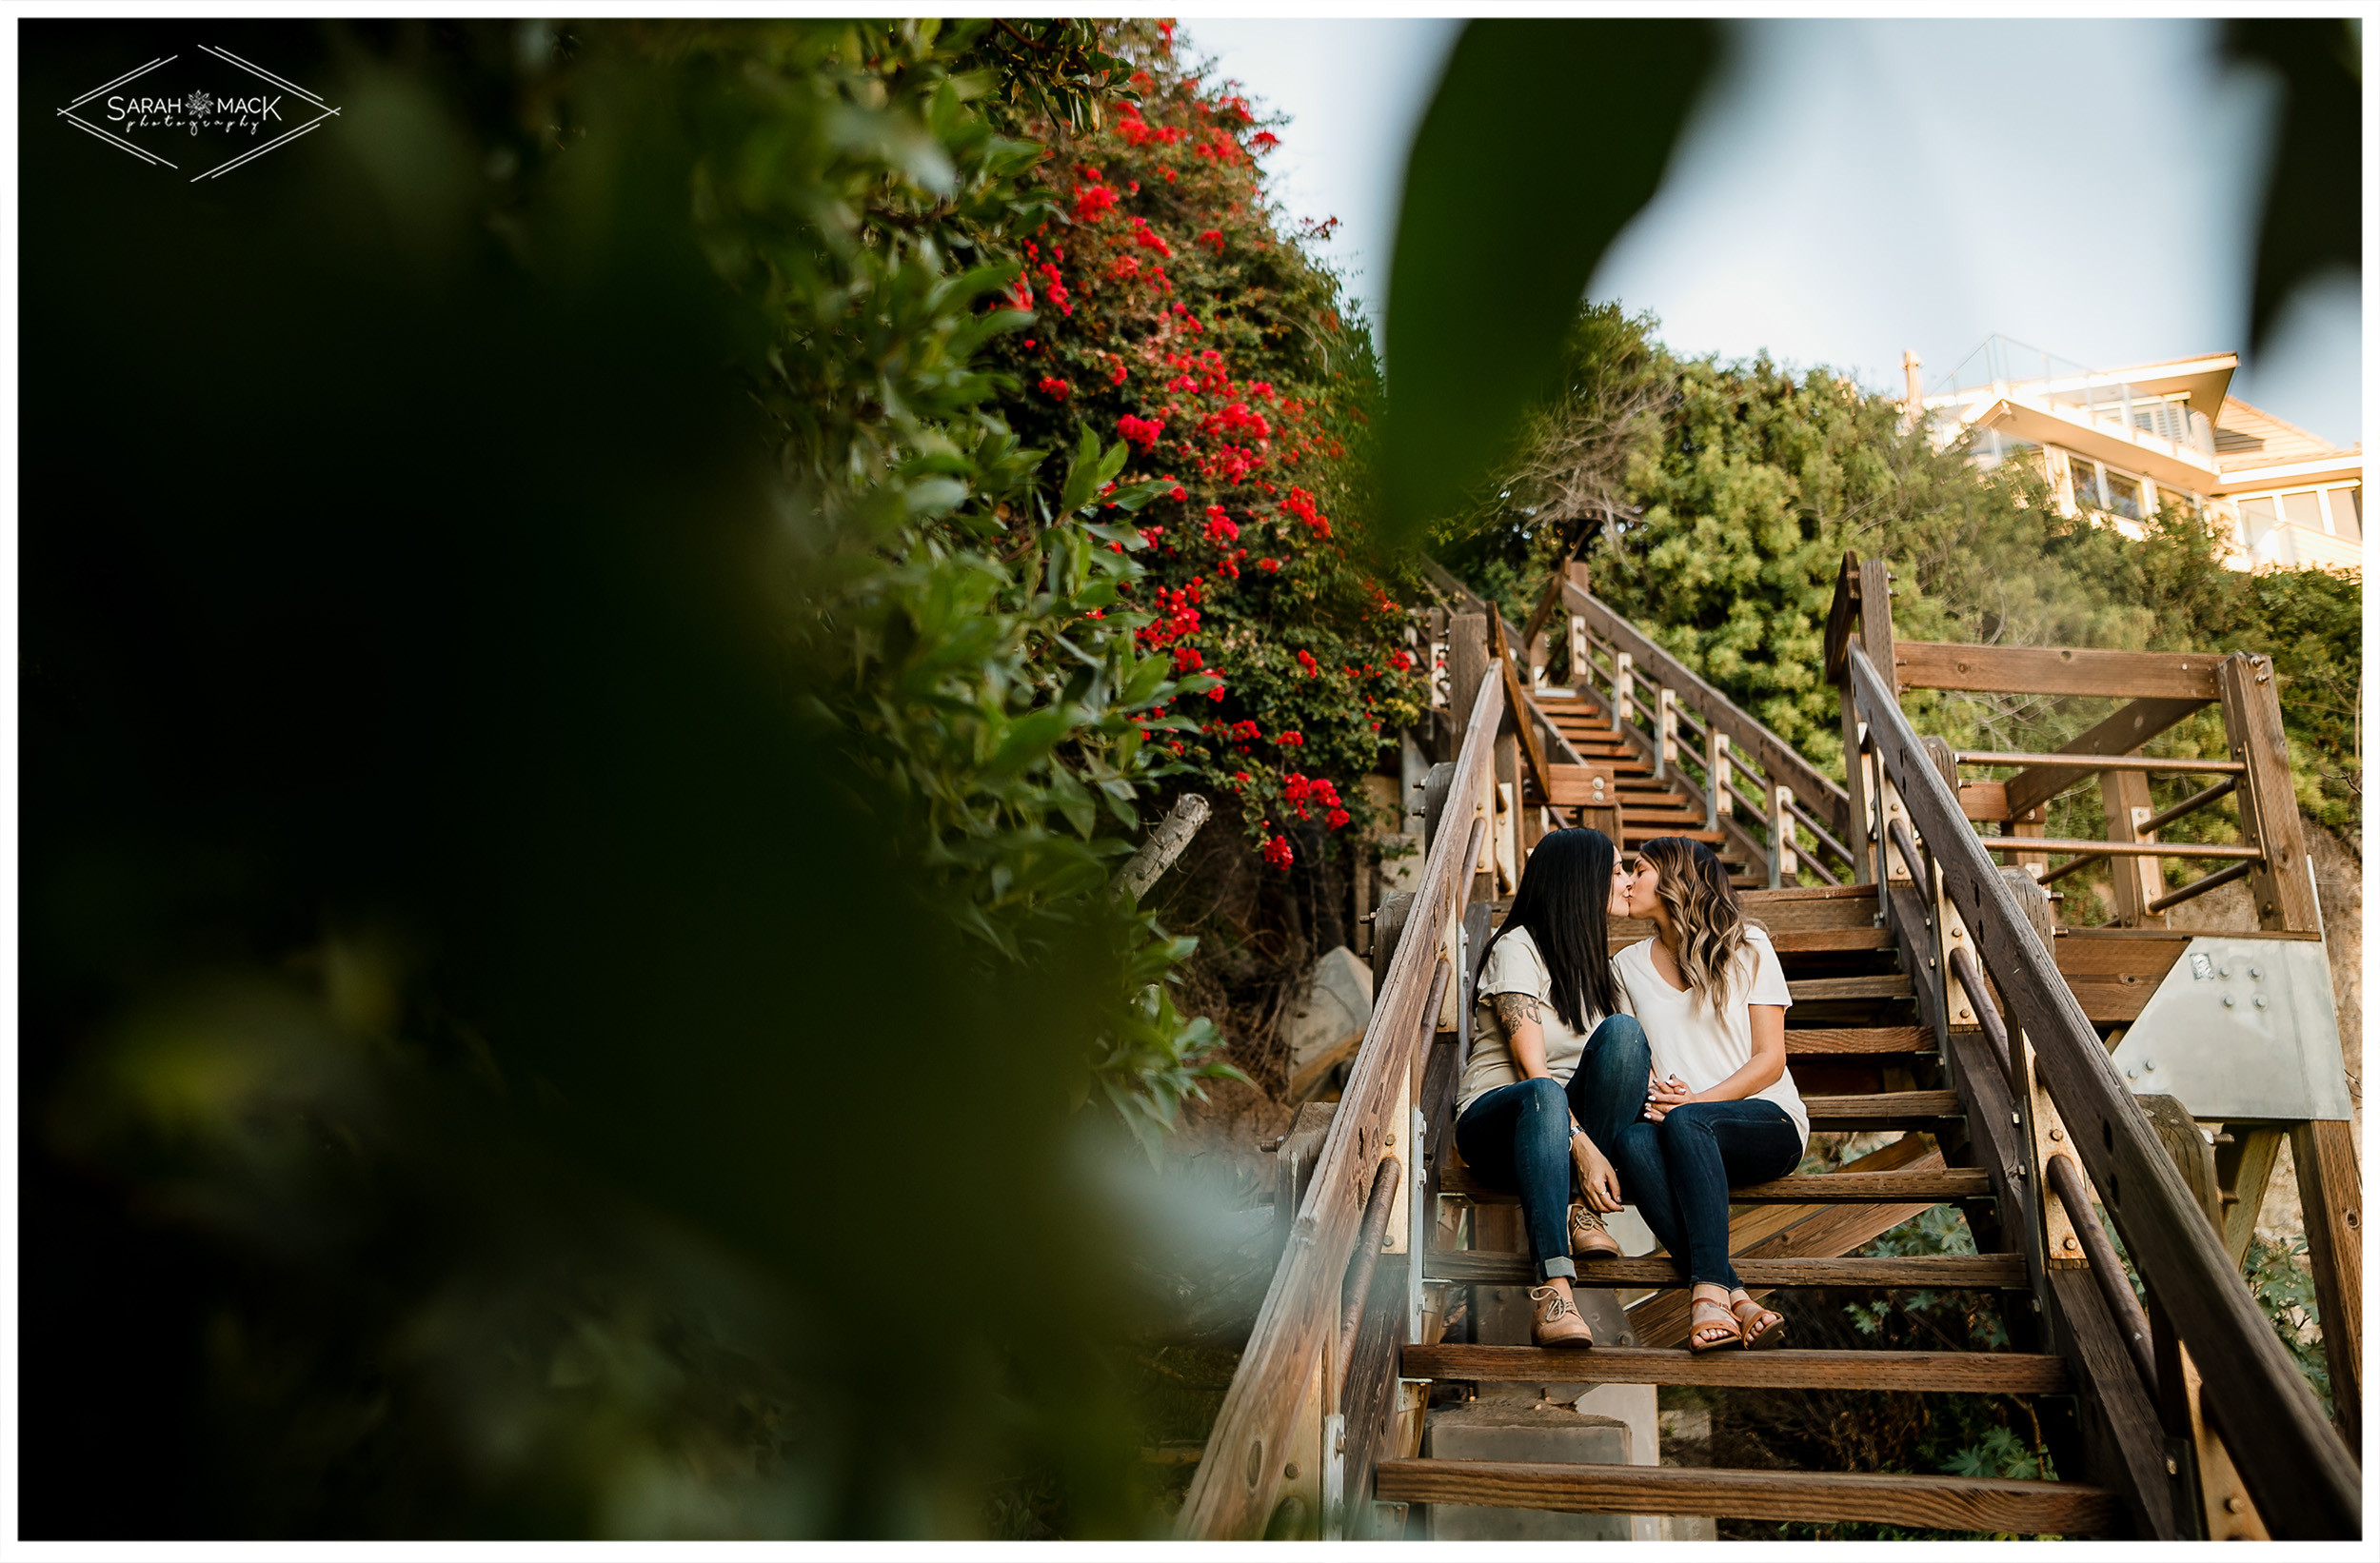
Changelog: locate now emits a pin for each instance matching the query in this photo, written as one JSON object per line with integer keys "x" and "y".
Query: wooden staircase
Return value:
{"x": 1862, "y": 1065}
{"x": 1649, "y": 805}
{"x": 1939, "y": 1008}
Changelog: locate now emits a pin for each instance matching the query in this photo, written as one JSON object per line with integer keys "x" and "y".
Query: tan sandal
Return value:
{"x": 1762, "y": 1327}
{"x": 1724, "y": 1317}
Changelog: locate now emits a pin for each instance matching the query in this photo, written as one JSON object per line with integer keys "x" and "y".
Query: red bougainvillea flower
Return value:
{"x": 1306, "y": 659}
{"x": 1221, "y": 528}
{"x": 1268, "y": 566}
{"x": 1213, "y": 239}
{"x": 1264, "y": 141}
{"x": 1336, "y": 819}
{"x": 1217, "y": 694}
{"x": 1278, "y": 854}
{"x": 1291, "y": 737}
{"x": 1300, "y": 503}
{"x": 1143, "y": 432}
{"x": 1401, "y": 661}
{"x": 1055, "y": 389}
{"x": 1241, "y": 777}
{"x": 1093, "y": 202}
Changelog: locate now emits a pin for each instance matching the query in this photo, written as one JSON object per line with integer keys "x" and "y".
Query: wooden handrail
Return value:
{"x": 2113, "y": 763}
{"x": 1777, "y": 757}
{"x": 2300, "y": 1472}
{"x": 1239, "y": 1475}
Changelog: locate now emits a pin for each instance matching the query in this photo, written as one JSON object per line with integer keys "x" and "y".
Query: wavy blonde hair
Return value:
{"x": 1703, "y": 908}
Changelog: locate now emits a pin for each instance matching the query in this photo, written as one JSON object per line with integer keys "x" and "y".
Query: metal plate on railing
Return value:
{"x": 2240, "y": 1029}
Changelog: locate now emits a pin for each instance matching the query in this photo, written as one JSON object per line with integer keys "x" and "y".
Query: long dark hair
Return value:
{"x": 1563, "y": 892}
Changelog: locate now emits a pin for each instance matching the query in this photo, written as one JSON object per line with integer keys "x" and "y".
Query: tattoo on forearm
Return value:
{"x": 1514, "y": 1010}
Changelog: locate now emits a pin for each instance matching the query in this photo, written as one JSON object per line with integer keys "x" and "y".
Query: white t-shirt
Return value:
{"x": 1702, "y": 1045}
{"x": 1515, "y": 966}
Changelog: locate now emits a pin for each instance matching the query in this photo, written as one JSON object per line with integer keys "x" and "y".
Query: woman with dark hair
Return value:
{"x": 1715, "y": 1109}
{"x": 1547, "y": 1001}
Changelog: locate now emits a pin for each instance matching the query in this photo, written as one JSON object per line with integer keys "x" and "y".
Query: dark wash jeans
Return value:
{"x": 1676, "y": 1171}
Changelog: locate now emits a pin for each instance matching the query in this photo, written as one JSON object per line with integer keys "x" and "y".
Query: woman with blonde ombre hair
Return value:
{"x": 1719, "y": 1110}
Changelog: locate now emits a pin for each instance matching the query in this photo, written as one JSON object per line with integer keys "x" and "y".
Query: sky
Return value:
{"x": 1850, "y": 188}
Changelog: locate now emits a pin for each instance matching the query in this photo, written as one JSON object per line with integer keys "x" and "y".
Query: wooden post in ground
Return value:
{"x": 2329, "y": 1182}
{"x": 2137, "y": 881}
{"x": 2330, "y": 1187}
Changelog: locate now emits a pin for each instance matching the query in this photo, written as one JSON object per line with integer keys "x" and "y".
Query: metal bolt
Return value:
{"x": 2132, "y": 1074}
{"x": 2228, "y": 1001}
{"x": 1289, "y": 1472}
{"x": 2057, "y": 1134}
{"x": 2233, "y": 1505}
{"x": 2256, "y": 972}
{"x": 2071, "y": 1244}
{"x": 2260, "y": 1001}
{"x": 2148, "y": 1063}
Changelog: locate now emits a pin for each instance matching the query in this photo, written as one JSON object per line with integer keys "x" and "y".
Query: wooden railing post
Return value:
{"x": 1784, "y": 870}
{"x": 1623, "y": 689}
{"x": 1665, "y": 731}
{"x": 1466, "y": 665}
{"x": 2137, "y": 881}
{"x": 1719, "y": 769}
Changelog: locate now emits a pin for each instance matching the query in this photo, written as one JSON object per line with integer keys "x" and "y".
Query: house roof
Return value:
{"x": 2247, "y": 437}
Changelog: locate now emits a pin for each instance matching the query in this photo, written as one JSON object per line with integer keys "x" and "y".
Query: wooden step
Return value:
{"x": 1776, "y": 1368}
{"x": 1810, "y": 990}
{"x": 1936, "y": 1185}
{"x": 1637, "y": 835}
{"x": 1791, "y": 941}
{"x": 1940, "y": 1503}
{"x": 1882, "y": 1110}
{"x": 1815, "y": 1041}
{"x": 1941, "y": 1272}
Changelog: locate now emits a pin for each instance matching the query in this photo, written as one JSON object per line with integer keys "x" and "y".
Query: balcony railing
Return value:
{"x": 2007, "y": 366}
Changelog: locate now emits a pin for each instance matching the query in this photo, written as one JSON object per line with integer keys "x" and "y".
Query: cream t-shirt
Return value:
{"x": 1515, "y": 966}
{"x": 1702, "y": 1045}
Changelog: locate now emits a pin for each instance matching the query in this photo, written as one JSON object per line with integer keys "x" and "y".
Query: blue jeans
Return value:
{"x": 1676, "y": 1171}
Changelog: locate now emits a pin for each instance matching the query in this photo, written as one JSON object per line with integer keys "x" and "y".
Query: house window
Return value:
{"x": 2303, "y": 510}
{"x": 2346, "y": 513}
{"x": 2256, "y": 521}
{"x": 2124, "y": 496}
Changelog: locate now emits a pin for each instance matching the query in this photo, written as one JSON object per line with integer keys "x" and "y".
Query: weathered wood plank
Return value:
{"x": 1857, "y": 1040}
{"x": 1881, "y": 1110}
{"x": 1942, "y": 1503}
{"x": 1810, "y": 990}
{"x": 1782, "y": 1367}
{"x": 2284, "y": 890}
{"x": 1939, "y": 1270}
{"x": 2302, "y": 1476}
{"x": 2331, "y": 1187}
{"x": 2056, "y": 670}
{"x": 1793, "y": 941}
